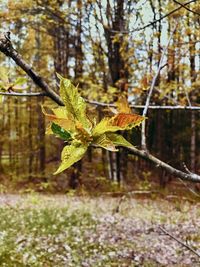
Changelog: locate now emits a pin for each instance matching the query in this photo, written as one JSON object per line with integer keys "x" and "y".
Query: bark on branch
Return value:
{"x": 189, "y": 177}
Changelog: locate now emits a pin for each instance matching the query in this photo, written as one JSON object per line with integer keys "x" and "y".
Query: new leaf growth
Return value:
{"x": 72, "y": 124}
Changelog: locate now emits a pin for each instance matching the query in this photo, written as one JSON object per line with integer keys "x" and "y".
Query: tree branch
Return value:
{"x": 22, "y": 94}
{"x": 188, "y": 9}
{"x": 7, "y": 48}
{"x": 190, "y": 177}
{"x": 102, "y": 104}
{"x": 177, "y": 107}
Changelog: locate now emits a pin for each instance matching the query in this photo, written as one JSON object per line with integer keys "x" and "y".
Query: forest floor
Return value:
{"x": 38, "y": 230}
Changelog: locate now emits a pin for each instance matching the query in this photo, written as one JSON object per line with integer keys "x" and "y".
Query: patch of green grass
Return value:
{"x": 52, "y": 237}
{"x": 42, "y": 237}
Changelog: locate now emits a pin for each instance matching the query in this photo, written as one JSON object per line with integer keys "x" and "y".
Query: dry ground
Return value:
{"x": 104, "y": 231}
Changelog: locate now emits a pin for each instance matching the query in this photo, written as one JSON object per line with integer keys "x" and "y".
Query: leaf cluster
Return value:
{"x": 72, "y": 124}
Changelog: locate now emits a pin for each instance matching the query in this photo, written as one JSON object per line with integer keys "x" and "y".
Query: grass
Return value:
{"x": 63, "y": 231}
{"x": 43, "y": 237}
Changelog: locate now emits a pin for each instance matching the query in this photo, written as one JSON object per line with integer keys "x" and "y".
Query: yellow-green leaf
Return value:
{"x": 122, "y": 105}
{"x": 118, "y": 140}
{"x": 61, "y": 112}
{"x": 104, "y": 142}
{"x": 71, "y": 154}
{"x": 74, "y": 103}
{"x": 60, "y": 118}
{"x": 4, "y": 75}
{"x": 105, "y": 125}
{"x": 119, "y": 122}
{"x": 20, "y": 81}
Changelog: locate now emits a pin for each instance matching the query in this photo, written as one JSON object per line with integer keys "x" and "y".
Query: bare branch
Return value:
{"x": 102, "y": 104}
{"x": 177, "y": 107}
{"x": 179, "y": 241}
{"x": 157, "y": 20}
{"x": 188, "y": 9}
{"x": 190, "y": 177}
{"x": 189, "y": 188}
{"x": 143, "y": 136}
{"x": 22, "y": 94}
{"x": 7, "y": 48}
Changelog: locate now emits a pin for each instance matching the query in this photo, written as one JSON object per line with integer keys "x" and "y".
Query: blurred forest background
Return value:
{"x": 107, "y": 47}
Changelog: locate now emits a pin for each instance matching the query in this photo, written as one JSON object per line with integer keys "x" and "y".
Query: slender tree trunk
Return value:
{"x": 193, "y": 120}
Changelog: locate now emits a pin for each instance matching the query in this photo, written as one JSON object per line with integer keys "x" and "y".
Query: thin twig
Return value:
{"x": 143, "y": 135}
{"x": 189, "y": 188}
{"x": 22, "y": 94}
{"x": 155, "y": 21}
{"x": 186, "y": 168}
{"x": 168, "y": 107}
{"x": 179, "y": 241}
{"x": 103, "y": 104}
{"x": 188, "y": 9}
{"x": 121, "y": 200}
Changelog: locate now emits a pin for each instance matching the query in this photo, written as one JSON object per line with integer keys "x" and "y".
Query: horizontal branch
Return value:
{"x": 22, "y": 94}
{"x": 7, "y": 48}
{"x": 190, "y": 177}
{"x": 102, "y": 104}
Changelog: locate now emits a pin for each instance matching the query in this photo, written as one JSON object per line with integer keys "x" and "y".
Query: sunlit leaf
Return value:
{"x": 71, "y": 154}
{"x": 20, "y": 81}
{"x": 104, "y": 142}
{"x": 74, "y": 103}
{"x": 64, "y": 122}
{"x": 105, "y": 125}
{"x": 122, "y": 105}
{"x": 61, "y": 112}
{"x": 4, "y": 75}
{"x": 127, "y": 121}
{"x": 118, "y": 140}
{"x": 119, "y": 122}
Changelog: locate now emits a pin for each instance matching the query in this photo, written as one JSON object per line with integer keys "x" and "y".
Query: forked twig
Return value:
{"x": 143, "y": 136}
